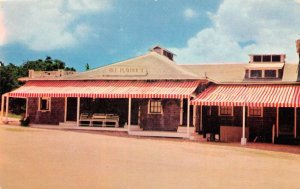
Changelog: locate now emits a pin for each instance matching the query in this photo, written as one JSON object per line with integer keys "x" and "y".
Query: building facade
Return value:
{"x": 254, "y": 101}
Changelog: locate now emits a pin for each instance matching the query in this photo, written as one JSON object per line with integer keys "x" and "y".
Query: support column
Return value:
{"x": 26, "y": 111}
{"x": 194, "y": 115}
{"x": 201, "y": 124}
{"x": 6, "y": 111}
{"x": 181, "y": 111}
{"x": 78, "y": 110}
{"x": 295, "y": 123}
{"x": 129, "y": 113}
{"x": 277, "y": 122}
{"x": 66, "y": 103}
{"x": 188, "y": 118}
{"x": 2, "y": 107}
{"x": 243, "y": 139}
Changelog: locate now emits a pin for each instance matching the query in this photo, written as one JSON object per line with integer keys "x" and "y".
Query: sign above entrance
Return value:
{"x": 125, "y": 71}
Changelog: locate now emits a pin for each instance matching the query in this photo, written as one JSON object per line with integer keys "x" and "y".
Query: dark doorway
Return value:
{"x": 71, "y": 109}
{"x": 286, "y": 121}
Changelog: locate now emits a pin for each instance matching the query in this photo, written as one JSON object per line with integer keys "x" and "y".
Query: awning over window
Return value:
{"x": 107, "y": 89}
{"x": 254, "y": 96}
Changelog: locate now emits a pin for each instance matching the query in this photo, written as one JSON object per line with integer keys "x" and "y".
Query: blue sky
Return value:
{"x": 101, "y": 32}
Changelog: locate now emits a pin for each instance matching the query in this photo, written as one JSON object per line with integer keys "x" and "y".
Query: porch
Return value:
{"x": 266, "y": 113}
{"x": 109, "y": 105}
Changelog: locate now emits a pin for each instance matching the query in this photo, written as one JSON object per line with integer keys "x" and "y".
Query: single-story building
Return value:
{"x": 254, "y": 101}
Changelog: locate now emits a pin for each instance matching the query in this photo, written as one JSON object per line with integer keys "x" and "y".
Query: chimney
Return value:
{"x": 163, "y": 52}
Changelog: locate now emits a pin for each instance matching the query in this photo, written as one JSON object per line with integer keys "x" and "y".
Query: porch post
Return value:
{"x": 181, "y": 111}
{"x": 2, "y": 107}
{"x": 129, "y": 113}
{"x": 6, "y": 112}
{"x": 188, "y": 118}
{"x": 78, "y": 110}
{"x": 65, "y": 116}
{"x": 277, "y": 122}
{"x": 243, "y": 139}
{"x": 194, "y": 115}
{"x": 26, "y": 110}
{"x": 295, "y": 123}
{"x": 201, "y": 118}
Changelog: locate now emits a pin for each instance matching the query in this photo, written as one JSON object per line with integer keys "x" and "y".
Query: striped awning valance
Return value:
{"x": 107, "y": 89}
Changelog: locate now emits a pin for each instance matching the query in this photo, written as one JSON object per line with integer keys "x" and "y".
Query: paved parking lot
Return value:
{"x": 40, "y": 158}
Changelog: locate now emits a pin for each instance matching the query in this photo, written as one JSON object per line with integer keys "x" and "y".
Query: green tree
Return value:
{"x": 10, "y": 73}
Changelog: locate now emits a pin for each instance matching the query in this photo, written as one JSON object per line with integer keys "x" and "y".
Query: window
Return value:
{"x": 255, "y": 111}
{"x": 44, "y": 104}
{"x": 256, "y": 58}
{"x": 256, "y": 73}
{"x": 270, "y": 73}
{"x": 266, "y": 58}
{"x": 225, "y": 110}
{"x": 155, "y": 107}
{"x": 276, "y": 58}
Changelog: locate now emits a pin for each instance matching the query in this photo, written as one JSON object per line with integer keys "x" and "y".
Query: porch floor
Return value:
{"x": 78, "y": 128}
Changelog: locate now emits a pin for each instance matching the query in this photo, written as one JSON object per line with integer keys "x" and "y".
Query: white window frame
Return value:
{"x": 263, "y": 74}
{"x": 261, "y": 115}
{"x": 149, "y": 106}
{"x": 49, "y": 104}
{"x": 219, "y": 112}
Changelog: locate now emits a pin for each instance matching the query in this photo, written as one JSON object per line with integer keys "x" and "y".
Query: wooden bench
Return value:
{"x": 99, "y": 120}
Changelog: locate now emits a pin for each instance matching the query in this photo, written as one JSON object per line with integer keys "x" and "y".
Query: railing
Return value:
{"x": 49, "y": 74}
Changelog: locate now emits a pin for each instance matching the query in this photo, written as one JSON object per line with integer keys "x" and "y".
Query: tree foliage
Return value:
{"x": 10, "y": 73}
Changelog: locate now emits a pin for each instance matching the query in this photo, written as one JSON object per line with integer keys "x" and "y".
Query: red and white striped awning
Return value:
{"x": 250, "y": 95}
{"x": 107, "y": 89}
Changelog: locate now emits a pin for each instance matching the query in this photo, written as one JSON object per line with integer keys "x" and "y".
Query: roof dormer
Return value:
{"x": 265, "y": 66}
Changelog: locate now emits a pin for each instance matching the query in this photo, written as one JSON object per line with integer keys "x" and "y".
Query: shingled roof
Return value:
{"x": 150, "y": 66}
{"x": 235, "y": 73}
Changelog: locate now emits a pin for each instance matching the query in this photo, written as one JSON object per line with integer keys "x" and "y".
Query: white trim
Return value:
{"x": 200, "y": 117}
{"x": 194, "y": 115}
{"x": 2, "y": 107}
{"x": 262, "y": 112}
{"x": 6, "y": 111}
{"x": 48, "y": 102}
{"x": 78, "y": 111}
{"x": 188, "y": 118}
{"x": 181, "y": 112}
{"x": 263, "y": 73}
{"x": 26, "y": 110}
{"x": 161, "y": 107}
{"x": 244, "y": 139}
{"x": 65, "y": 113}
{"x": 129, "y": 113}
{"x": 219, "y": 111}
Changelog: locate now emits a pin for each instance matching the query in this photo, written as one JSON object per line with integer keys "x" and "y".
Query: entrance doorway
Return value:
{"x": 286, "y": 121}
{"x": 71, "y": 109}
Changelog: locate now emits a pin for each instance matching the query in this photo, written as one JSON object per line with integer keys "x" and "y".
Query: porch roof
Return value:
{"x": 250, "y": 95}
{"x": 107, "y": 89}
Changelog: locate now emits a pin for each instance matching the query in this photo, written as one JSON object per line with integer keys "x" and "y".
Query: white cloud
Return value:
{"x": 2, "y": 29}
{"x": 244, "y": 27}
{"x": 189, "y": 13}
{"x": 48, "y": 25}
